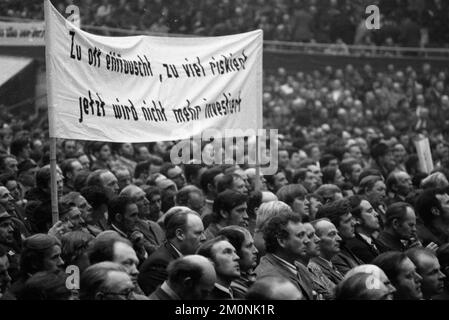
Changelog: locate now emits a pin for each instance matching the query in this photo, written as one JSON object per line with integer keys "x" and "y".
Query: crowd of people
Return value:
{"x": 416, "y": 23}
{"x": 349, "y": 214}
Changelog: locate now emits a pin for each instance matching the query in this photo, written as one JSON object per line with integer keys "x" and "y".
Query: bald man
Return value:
{"x": 274, "y": 288}
{"x": 190, "y": 277}
{"x": 329, "y": 247}
{"x": 153, "y": 235}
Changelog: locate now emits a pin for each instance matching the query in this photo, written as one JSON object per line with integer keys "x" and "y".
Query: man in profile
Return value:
{"x": 428, "y": 267}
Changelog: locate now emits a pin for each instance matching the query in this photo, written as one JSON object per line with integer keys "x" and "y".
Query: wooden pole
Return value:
{"x": 258, "y": 184}
{"x": 54, "y": 182}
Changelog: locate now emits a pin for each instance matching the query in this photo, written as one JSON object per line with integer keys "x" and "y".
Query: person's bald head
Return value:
{"x": 192, "y": 277}
{"x": 268, "y": 196}
{"x": 273, "y": 288}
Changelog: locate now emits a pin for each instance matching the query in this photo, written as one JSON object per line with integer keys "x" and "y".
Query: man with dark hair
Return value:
{"x": 70, "y": 168}
{"x": 21, "y": 148}
{"x": 40, "y": 252}
{"x": 153, "y": 195}
{"x": 399, "y": 185}
{"x": 229, "y": 209}
{"x": 351, "y": 169}
{"x": 226, "y": 263}
{"x": 339, "y": 213}
{"x": 276, "y": 181}
{"x": 274, "y": 288}
{"x": 96, "y": 196}
{"x": 209, "y": 181}
{"x": 193, "y": 173}
{"x": 38, "y": 207}
{"x": 382, "y": 159}
{"x": 123, "y": 215}
{"x": 184, "y": 233}
{"x": 367, "y": 223}
{"x": 428, "y": 268}
{"x": 286, "y": 242}
{"x": 401, "y": 271}
{"x": 400, "y": 228}
{"x": 432, "y": 207}
{"x": 106, "y": 281}
{"x": 232, "y": 181}
{"x": 69, "y": 149}
{"x": 189, "y": 278}
{"x": 306, "y": 178}
{"x": 243, "y": 243}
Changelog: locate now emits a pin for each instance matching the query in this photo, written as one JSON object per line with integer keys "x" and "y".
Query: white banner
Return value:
{"x": 424, "y": 153}
{"x": 143, "y": 89}
{"x": 22, "y": 33}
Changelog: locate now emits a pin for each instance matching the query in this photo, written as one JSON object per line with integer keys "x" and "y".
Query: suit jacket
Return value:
{"x": 217, "y": 294}
{"x": 270, "y": 266}
{"x": 346, "y": 259}
{"x": 387, "y": 242}
{"x": 362, "y": 249}
{"x": 161, "y": 294}
{"x": 153, "y": 271}
{"x": 330, "y": 271}
{"x": 153, "y": 235}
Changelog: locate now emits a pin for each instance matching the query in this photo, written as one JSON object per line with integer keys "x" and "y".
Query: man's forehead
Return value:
{"x": 222, "y": 246}
{"x": 124, "y": 251}
{"x": 3, "y": 191}
{"x": 108, "y": 176}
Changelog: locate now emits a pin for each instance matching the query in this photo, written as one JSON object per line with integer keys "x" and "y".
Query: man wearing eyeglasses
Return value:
{"x": 106, "y": 281}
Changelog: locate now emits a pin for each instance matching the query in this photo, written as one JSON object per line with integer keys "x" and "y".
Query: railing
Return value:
{"x": 290, "y": 47}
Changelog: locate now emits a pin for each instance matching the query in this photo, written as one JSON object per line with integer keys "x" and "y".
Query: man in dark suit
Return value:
{"x": 227, "y": 268}
{"x": 339, "y": 213}
{"x": 286, "y": 241}
{"x": 189, "y": 278}
{"x": 367, "y": 222}
{"x": 184, "y": 233}
{"x": 400, "y": 228}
